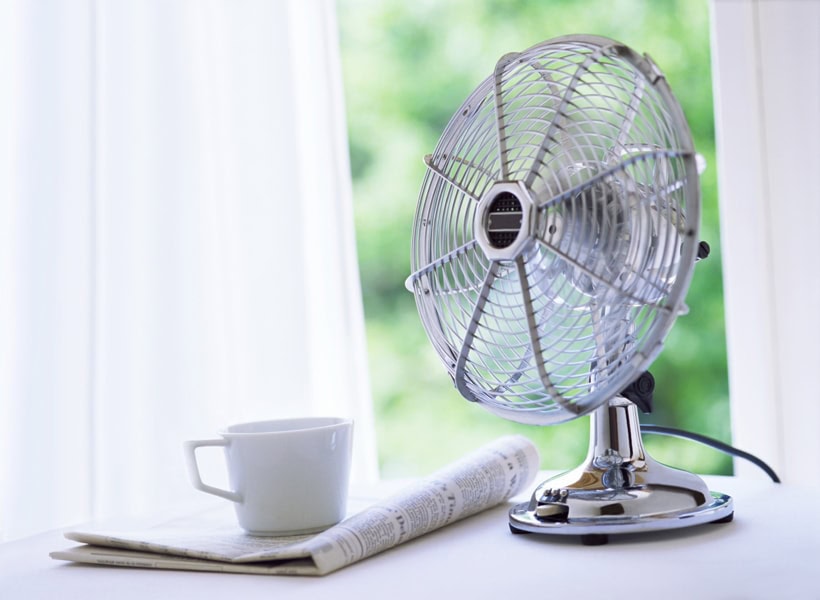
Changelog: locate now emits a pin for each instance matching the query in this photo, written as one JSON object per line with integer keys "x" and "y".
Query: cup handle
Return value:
{"x": 193, "y": 469}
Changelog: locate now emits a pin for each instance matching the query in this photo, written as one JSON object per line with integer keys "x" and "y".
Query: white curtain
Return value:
{"x": 176, "y": 244}
{"x": 766, "y": 59}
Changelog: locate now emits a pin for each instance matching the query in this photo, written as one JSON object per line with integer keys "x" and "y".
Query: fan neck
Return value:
{"x": 615, "y": 444}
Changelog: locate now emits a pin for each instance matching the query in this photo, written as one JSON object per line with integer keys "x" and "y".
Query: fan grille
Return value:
{"x": 556, "y": 229}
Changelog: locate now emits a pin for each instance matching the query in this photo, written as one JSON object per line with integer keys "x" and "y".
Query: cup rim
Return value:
{"x": 309, "y": 424}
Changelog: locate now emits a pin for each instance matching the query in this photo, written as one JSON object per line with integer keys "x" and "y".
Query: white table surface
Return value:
{"x": 770, "y": 551}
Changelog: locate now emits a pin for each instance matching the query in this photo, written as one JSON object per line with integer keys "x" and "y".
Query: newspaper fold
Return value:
{"x": 480, "y": 480}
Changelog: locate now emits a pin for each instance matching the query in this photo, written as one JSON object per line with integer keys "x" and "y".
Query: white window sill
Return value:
{"x": 772, "y": 549}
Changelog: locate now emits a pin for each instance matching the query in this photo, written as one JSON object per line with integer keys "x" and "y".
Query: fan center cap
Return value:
{"x": 502, "y": 221}
{"x": 504, "y": 216}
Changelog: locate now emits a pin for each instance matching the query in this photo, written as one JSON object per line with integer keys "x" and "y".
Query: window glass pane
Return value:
{"x": 407, "y": 68}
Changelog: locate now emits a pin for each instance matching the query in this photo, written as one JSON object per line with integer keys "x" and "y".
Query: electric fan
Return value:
{"x": 553, "y": 243}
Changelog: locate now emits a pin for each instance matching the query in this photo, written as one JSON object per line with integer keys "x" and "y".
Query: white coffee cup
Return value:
{"x": 287, "y": 476}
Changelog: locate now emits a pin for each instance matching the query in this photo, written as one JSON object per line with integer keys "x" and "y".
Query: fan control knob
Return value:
{"x": 552, "y": 506}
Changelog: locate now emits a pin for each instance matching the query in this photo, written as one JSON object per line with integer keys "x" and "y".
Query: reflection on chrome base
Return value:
{"x": 619, "y": 489}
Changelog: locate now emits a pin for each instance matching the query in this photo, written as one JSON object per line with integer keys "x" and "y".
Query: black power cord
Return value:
{"x": 712, "y": 443}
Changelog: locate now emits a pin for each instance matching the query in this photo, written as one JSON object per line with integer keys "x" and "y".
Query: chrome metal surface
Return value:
{"x": 619, "y": 488}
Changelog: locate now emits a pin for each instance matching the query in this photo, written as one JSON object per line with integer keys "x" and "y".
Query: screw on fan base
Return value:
{"x": 619, "y": 489}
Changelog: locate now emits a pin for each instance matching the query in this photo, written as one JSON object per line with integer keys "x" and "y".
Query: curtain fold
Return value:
{"x": 179, "y": 250}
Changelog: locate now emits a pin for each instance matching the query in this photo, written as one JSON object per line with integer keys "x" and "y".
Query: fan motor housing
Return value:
{"x": 502, "y": 220}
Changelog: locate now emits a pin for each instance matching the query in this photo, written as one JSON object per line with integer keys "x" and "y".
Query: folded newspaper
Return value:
{"x": 213, "y": 542}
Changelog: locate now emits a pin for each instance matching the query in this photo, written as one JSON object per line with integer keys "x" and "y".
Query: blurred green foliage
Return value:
{"x": 408, "y": 65}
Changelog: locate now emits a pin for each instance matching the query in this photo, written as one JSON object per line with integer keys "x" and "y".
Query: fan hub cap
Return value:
{"x": 502, "y": 221}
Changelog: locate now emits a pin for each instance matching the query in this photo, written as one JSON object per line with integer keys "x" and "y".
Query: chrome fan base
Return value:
{"x": 619, "y": 489}
{"x": 640, "y": 505}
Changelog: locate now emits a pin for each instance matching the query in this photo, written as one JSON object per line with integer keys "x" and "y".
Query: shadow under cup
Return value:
{"x": 288, "y": 476}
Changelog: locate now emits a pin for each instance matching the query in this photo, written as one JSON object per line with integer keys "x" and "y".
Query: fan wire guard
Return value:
{"x": 556, "y": 229}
